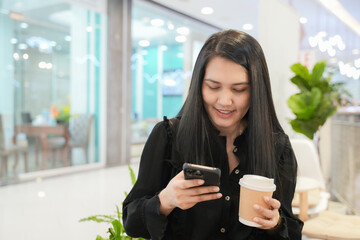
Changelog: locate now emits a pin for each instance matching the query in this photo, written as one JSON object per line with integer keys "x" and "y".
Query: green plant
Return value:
{"x": 116, "y": 230}
{"x": 317, "y": 100}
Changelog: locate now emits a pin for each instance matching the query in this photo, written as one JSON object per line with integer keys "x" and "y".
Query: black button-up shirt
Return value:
{"x": 215, "y": 219}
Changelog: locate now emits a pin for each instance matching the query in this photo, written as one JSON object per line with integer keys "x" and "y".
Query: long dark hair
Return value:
{"x": 196, "y": 132}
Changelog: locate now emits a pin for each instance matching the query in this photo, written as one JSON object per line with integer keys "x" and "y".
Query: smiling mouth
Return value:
{"x": 225, "y": 111}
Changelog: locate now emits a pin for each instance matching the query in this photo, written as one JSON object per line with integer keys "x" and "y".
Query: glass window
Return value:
{"x": 51, "y": 82}
{"x": 165, "y": 47}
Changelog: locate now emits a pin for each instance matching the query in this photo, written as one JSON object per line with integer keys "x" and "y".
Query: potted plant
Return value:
{"x": 317, "y": 100}
{"x": 116, "y": 230}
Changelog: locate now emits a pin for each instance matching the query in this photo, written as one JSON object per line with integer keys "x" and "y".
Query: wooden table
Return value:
{"x": 303, "y": 186}
{"x": 43, "y": 132}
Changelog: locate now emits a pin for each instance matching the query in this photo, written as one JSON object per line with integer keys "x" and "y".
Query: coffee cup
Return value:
{"x": 253, "y": 189}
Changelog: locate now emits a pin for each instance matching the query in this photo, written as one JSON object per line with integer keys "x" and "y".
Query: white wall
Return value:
{"x": 279, "y": 36}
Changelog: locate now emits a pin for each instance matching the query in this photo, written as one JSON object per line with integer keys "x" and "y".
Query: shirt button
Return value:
{"x": 235, "y": 150}
{"x": 237, "y": 171}
{"x": 222, "y": 230}
{"x": 227, "y": 198}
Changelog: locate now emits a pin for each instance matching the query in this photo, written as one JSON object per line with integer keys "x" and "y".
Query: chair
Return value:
{"x": 323, "y": 224}
{"x": 7, "y": 150}
{"x": 309, "y": 168}
{"x": 79, "y": 128}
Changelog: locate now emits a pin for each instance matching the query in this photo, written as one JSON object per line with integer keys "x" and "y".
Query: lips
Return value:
{"x": 224, "y": 113}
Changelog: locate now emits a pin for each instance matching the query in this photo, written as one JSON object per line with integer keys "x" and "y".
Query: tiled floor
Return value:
{"x": 51, "y": 209}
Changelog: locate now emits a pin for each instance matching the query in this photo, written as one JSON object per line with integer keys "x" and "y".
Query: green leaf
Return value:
{"x": 100, "y": 238}
{"x": 306, "y": 127}
{"x": 301, "y": 83}
{"x": 317, "y": 72}
{"x": 99, "y": 218}
{"x": 304, "y": 104}
{"x": 132, "y": 175}
{"x": 301, "y": 71}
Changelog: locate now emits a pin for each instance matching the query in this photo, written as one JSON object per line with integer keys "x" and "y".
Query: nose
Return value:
{"x": 225, "y": 98}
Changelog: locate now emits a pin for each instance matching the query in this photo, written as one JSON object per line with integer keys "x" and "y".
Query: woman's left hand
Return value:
{"x": 270, "y": 214}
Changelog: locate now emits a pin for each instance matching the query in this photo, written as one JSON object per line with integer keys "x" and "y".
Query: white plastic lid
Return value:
{"x": 258, "y": 183}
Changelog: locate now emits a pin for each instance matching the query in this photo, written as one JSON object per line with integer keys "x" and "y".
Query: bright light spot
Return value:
{"x": 53, "y": 43}
{"x": 171, "y": 26}
{"x": 42, "y": 65}
{"x": 22, "y": 46}
{"x": 24, "y": 25}
{"x": 89, "y": 29}
{"x": 169, "y": 82}
{"x": 183, "y": 30}
{"x": 144, "y": 43}
{"x": 207, "y": 10}
{"x": 180, "y": 39}
{"x": 49, "y": 66}
{"x": 67, "y": 38}
{"x": 248, "y": 26}
{"x": 25, "y": 56}
{"x": 157, "y": 22}
{"x": 41, "y": 194}
{"x": 16, "y": 56}
{"x": 303, "y": 20}
{"x": 357, "y": 63}
{"x": 13, "y": 41}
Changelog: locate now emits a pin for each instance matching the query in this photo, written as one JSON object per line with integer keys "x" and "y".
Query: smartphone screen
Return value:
{"x": 210, "y": 175}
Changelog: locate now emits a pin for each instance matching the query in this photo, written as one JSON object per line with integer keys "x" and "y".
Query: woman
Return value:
{"x": 227, "y": 121}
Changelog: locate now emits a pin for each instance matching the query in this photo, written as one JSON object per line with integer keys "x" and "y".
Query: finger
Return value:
{"x": 265, "y": 223}
{"x": 205, "y": 197}
{"x": 266, "y": 213}
{"x": 272, "y": 203}
{"x": 203, "y": 190}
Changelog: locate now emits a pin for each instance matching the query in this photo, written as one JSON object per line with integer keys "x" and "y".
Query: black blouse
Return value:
{"x": 215, "y": 219}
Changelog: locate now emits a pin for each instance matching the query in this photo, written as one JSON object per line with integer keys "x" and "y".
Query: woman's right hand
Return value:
{"x": 184, "y": 194}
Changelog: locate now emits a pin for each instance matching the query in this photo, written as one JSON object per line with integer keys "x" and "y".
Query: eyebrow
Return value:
{"x": 213, "y": 81}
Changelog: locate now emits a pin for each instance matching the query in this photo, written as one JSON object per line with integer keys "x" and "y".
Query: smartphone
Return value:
{"x": 210, "y": 175}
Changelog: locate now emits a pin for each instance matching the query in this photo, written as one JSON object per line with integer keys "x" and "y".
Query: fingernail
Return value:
{"x": 267, "y": 199}
{"x": 219, "y": 195}
{"x": 200, "y": 182}
{"x": 256, "y": 206}
{"x": 216, "y": 189}
{"x": 256, "y": 219}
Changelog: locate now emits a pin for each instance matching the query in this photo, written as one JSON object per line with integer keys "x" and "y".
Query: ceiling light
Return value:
{"x": 248, "y": 26}
{"x": 170, "y": 26}
{"x": 25, "y": 56}
{"x": 180, "y": 39}
{"x": 183, "y": 30}
{"x": 144, "y": 43}
{"x": 24, "y": 25}
{"x": 303, "y": 20}
{"x": 16, "y": 56}
{"x": 157, "y": 22}
{"x": 13, "y": 41}
{"x": 89, "y": 29}
{"x": 207, "y": 10}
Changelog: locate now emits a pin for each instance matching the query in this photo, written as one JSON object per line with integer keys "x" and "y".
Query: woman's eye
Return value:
{"x": 239, "y": 90}
{"x": 213, "y": 87}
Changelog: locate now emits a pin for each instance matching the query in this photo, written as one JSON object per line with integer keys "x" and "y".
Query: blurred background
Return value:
{"x": 83, "y": 82}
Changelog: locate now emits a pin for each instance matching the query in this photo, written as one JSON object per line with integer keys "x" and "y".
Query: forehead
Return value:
{"x": 224, "y": 70}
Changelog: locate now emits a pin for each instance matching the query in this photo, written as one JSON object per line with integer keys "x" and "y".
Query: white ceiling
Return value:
{"x": 236, "y": 13}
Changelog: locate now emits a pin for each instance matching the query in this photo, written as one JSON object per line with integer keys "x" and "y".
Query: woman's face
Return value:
{"x": 226, "y": 94}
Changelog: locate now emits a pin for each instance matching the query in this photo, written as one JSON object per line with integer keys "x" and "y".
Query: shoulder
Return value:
{"x": 164, "y": 128}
